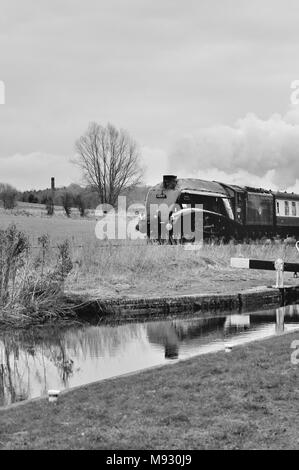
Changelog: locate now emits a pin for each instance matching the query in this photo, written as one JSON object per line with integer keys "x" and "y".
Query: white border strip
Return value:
{"x": 240, "y": 263}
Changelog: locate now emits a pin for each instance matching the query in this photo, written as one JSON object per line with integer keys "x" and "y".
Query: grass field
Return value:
{"x": 243, "y": 400}
{"x": 32, "y": 219}
{"x": 133, "y": 268}
{"x": 247, "y": 399}
{"x": 166, "y": 270}
{"x": 59, "y": 227}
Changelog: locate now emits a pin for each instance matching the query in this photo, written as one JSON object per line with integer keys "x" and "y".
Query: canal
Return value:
{"x": 34, "y": 361}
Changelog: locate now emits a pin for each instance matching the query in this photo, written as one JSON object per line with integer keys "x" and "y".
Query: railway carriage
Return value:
{"x": 287, "y": 213}
{"x": 227, "y": 211}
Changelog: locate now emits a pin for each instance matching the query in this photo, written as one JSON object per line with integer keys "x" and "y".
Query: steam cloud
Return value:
{"x": 252, "y": 152}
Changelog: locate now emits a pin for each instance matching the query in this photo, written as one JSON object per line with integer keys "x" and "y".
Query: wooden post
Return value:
{"x": 246, "y": 263}
{"x": 279, "y": 267}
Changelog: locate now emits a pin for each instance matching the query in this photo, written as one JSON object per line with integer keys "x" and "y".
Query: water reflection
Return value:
{"x": 279, "y": 327}
{"x": 177, "y": 333}
{"x": 32, "y": 362}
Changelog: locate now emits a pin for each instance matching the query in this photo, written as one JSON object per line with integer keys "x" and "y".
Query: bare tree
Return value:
{"x": 8, "y": 195}
{"x": 66, "y": 199}
{"x": 49, "y": 205}
{"x": 109, "y": 159}
{"x": 80, "y": 203}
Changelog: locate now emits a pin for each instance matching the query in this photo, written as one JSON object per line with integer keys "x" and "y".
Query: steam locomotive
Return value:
{"x": 227, "y": 211}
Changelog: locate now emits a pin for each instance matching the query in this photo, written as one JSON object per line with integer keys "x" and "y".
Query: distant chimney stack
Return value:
{"x": 169, "y": 181}
{"x": 53, "y": 184}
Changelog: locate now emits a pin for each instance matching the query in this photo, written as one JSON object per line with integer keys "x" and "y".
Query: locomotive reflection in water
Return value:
{"x": 228, "y": 211}
{"x": 33, "y": 362}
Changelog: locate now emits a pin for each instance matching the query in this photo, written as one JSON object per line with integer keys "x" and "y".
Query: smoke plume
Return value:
{"x": 253, "y": 151}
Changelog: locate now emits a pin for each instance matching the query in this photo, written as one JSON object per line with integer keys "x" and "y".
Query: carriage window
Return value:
{"x": 286, "y": 208}
{"x": 294, "y": 211}
{"x": 277, "y": 207}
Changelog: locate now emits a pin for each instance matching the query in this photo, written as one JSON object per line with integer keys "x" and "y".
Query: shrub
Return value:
{"x": 13, "y": 247}
{"x": 31, "y": 290}
{"x": 64, "y": 262}
{"x": 44, "y": 242}
{"x": 67, "y": 200}
{"x": 81, "y": 204}
{"x": 50, "y": 205}
{"x": 8, "y": 195}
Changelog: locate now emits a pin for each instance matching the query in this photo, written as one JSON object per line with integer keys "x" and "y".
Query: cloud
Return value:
{"x": 34, "y": 170}
{"x": 157, "y": 69}
{"x": 155, "y": 163}
{"x": 252, "y": 151}
{"x": 154, "y": 68}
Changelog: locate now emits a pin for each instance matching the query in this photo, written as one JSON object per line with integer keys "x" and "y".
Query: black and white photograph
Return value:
{"x": 149, "y": 228}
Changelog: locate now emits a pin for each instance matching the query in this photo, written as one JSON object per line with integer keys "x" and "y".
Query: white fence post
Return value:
{"x": 279, "y": 267}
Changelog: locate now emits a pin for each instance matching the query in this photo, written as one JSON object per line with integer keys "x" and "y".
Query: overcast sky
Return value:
{"x": 202, "y": 85}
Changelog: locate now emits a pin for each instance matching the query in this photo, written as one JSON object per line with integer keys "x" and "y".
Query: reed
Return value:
{"x": 34, "y": 279}
{"x": 31, "y": 291}
{"x": 109, "y": 268}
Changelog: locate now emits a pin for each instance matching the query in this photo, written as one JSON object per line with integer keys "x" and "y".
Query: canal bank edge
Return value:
{"x": 89, "y": 307}
{"x": 115, "y": 378}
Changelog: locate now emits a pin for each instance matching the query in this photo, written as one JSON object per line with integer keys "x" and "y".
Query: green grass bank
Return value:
{"x": 246, "y": 399}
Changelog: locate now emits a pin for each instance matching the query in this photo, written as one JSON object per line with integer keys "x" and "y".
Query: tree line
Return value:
{"x": 73, "y": 196}
{"x": 109, "y": 159}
